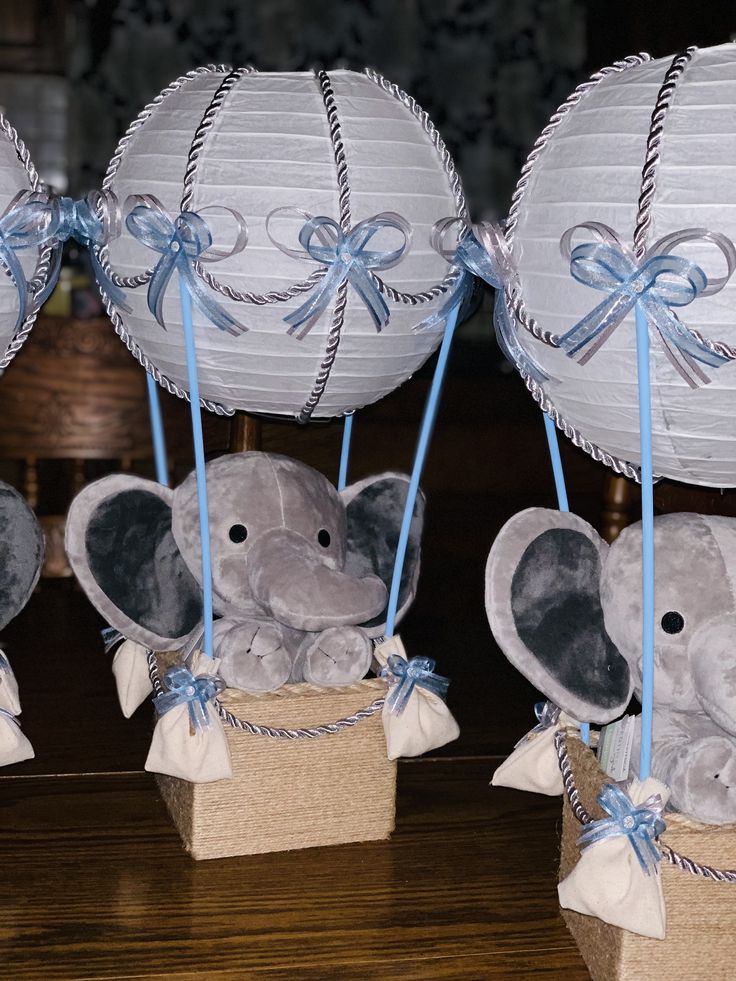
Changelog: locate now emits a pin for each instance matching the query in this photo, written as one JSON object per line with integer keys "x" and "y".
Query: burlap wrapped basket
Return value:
{"x": 297, "y": 790}
{"x": 701, "y": 910}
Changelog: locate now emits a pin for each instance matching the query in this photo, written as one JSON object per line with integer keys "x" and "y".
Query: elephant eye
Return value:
{"x": 238, "y": 533}
{"x": 323, "y": 537}
{"x": 673, "y": 622}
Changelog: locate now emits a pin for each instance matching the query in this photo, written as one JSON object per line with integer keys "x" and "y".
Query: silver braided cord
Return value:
{"x": 43, "y": 262}
{"x": 147, "y": 110}
{"x": 242, "y": 725}
{"x": 428, "y": 126}
{"x": 649, "y": 172}
{"x": 654, "y": 139}
{"x": 557, "y": 117}
{"x": 575, "y": 436}
{"x": 669, "y": 854}
{"x": 310, "y": 732}
{"x": 200, "y": 134}
{"x": 260, "y": 299}
{"x": 144, "y": 361}
{"x": 21, "y": 151}
{"x": 345, "y": 220}
{"x": 133, "y": 282}
{"x": 515, "y": 299}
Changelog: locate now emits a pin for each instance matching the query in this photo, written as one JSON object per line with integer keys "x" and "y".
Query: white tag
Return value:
{"x": 614, "y": 747}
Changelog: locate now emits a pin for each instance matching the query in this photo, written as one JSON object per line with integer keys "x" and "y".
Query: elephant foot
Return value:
{"x": 338, "y": 656}
{"x": 253, "y": 657}
{"x": 703, "y": 784}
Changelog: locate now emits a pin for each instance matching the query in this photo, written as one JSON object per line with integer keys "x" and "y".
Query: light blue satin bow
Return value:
{"x": 482, "y": 251}
{"x": 548, "y": 715}
{"x": 182, "y": 242}
{"x": 4, "y": 664}
{"x": 110, "y": 637}
{"x": 186, "y": 689}
{"x": 78, "y": 219}
{"x": 641, "y": 825}
{"x": 26, "y": 223}
{"x": 405, "y": 675}
{"x": 657, "y": 282}
{"x": 347, "y": 257}
{"x": 9, "y": 715}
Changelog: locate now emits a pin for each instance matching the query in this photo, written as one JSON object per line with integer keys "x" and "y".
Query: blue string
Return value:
{"x": 157, "y": 432}
{"x": 562, "y": 504}
{"x": 345, "y": 452}
{"x": 204, "y": 527}
{"x": 554, "y": 455}
{"x": 647, "y": 522}
{"x": 425, "y": 433}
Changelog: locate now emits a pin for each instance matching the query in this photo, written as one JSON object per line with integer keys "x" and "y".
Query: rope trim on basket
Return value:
{"x": 580, "y": 813}
{"x": 242, "y": 725}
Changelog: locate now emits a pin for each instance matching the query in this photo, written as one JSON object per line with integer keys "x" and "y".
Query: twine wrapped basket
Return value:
{"x": 701, "y": 911}
{"x": 309, "y": 768}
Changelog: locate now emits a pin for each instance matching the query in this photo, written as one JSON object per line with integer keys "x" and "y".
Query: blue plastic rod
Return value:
{"x": 425, "y": 434}
{"x": 204, "y": 526}
{"x": 647, "y": 557}
{"x": 347, "y": 433}
{"x": 554, "y": 455}
{"x": 157, "y": 432}
{"x": 562, "y": 504}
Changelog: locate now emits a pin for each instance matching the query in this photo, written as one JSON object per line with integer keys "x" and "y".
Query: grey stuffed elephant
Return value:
{"x": 21, "y": 553}
{"x": 300, "y": 572}
{"x": 566, "y": 609}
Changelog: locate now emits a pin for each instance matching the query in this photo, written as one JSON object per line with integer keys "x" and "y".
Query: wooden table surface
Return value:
{"x": 97, "y": 886}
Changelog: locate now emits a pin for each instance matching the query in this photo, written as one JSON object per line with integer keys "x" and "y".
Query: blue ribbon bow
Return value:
{"x": 9, "y": 715}
{"x": 347, "y": 257}
{"x": 482, "y": 252}
{"x": 110, "y": 637}
{"x": 405, "y": 675}
{"x": 4, "y": 664}
{"x": 26, "y": 223}
{"x": 186, "y": 689}
{"x": 657, "y": 282}
{"x": 182, "y": 242}
{"x": 79, "y": 219}
{"x": 641, "y": 825}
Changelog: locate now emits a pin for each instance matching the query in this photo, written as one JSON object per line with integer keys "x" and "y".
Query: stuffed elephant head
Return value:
{"x": 566, "y": 609}
{"x": 300, "y": 572}
{"x": 21, "y": 553}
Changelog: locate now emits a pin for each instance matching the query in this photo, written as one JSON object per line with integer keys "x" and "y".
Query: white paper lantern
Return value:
{"x": 344, "y": 145}
{"x": 24, "y": 258}
{"x": 587, "y": 166}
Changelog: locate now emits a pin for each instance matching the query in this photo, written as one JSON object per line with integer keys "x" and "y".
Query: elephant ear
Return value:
{"x": 21, "y": 553}
{"x": 375, "y": 510}
{"x": 122, "y": 550}
{"x": 544, "y": 607}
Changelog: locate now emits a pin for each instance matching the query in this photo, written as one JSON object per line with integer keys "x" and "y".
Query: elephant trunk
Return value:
{"x": 293, "y": 582}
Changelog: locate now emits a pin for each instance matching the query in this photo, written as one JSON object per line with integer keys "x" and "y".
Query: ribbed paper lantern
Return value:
{"x": 24, "y": 259}
{"x": 343, "y": 145}
{"x": 606, "y": 158}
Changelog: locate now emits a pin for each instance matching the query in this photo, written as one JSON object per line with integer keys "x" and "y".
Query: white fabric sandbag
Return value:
{"x": 180, "y": 748}
{"x": 133, "y": 682}
{"x": 424, "y": 722}
{"x": 533, "y": 765}
{"x": 14, "y": 746}
{"x": 609, "y": 881}
{"x": 9, "y": 697}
